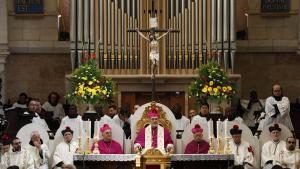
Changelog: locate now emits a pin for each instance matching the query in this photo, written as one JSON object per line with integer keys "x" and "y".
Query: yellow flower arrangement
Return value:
{"x": 212, "y": 84}
{"x": 89, "y": 86}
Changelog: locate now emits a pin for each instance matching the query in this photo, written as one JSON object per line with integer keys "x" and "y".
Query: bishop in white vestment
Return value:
{"x": 242, "y": 150}
{"x": 272, "y": 148}
{"x": 65, "y": 150}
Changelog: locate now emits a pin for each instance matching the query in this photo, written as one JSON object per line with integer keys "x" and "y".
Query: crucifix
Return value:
{"x": 152, "y": 36}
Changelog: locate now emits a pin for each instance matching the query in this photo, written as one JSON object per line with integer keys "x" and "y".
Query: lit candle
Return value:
{"x": 219, "y": 129}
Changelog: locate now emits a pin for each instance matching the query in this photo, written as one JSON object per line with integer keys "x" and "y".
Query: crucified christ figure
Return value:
{"x": 153, "y": 39}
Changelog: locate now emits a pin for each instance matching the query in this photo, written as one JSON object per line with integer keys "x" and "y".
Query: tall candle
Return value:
{"x": 226, "y": 128}
{"x": 96, "y": 129}
{"x": 89, "y": 128}
{"x": 80, "y": 128}
{"x": 219, "y": 123}
{"x": 210, "y": 129}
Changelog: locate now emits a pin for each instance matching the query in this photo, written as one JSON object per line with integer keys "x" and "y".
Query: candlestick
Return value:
{"x": 227, "y": 147}
{"x": 96, "y": 148}
{"x": 211, "y": 146}
{"x": 79, "y": 150}
{"x": 87, "y": 146}
{"x": 220, "y": 150}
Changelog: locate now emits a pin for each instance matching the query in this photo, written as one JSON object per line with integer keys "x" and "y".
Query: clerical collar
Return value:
{"x": 199, "y": 142}
{"x": 291, "y": 151}
{"x": 16, "y": 150}
{"x": 106, "y": 141}
{"x": 31, "y": 143}
{"x": 73, "y": 116}
{"x": 237, "y": 144}
{"x": 278, "y": 98}
{"x": 53, "y": 104}
{"x": 206, "y": 117}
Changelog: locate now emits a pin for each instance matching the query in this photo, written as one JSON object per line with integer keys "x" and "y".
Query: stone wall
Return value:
{"x": 38, "y": 62}
{"x": 270, "y": 33}
{"x": 35, "y": 34}
{"x": 36, "y": 74}
{"x": 261, "y": 70}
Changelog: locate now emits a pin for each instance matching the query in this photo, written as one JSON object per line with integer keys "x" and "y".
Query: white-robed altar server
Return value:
{"x": 38, "y": 151}
{"x": 181, "y": 121}
{"x": 278, "y": 108}
{"x": 17, "y": 156}
{"x": 242, "y": 150}
{"x": 65, "y": 150}
{"x": 72, "y": 117}
{"x": 272, "y": 148}
{"x": 202, "y": 117}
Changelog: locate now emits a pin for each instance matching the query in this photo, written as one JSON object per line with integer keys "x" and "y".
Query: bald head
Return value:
{"x": 35, "y": 136}
{"x": 277, "y": 90}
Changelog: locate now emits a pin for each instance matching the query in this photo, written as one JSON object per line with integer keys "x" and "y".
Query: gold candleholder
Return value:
{"x": 79, "y": 150}
{"x": 87, "y": 147}
{"x": 227, "y": 147}
{"x": 96, "y": 148}
{"x": 211, "y": 146}
{"x": 138, "y": 160}
{"x": 220, "y": 150}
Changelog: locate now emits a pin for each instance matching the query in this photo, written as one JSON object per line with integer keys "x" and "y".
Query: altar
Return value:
{"x": 128, "y": 161}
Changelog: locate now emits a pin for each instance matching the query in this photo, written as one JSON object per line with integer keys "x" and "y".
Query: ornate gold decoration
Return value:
{"x": 156, "y": 157}
{"x": 211, "y": 147}
{"x": 138, "y": 160}
{"x": 79, "y": 150}
{"x": 87, "y": 147}
{"x": 96, "y": 148}
{"x": 162, "y": 120}
{"x": 227, "y": 147}
{"x": 220, "y": 150}
{"x": 153, "y": 152}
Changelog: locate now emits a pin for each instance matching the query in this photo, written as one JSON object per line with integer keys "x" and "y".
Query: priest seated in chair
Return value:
{"x": 198, "y": 145}
{"x": 242, "y": 150}
{"x": 107, "y": 145}
{"x": 154, "y": 135}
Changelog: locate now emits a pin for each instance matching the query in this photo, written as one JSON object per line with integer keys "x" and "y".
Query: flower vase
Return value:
{"x": 218, "y": 107}
{"x": 214, "y": 107}
{"x": 91, "y": 109}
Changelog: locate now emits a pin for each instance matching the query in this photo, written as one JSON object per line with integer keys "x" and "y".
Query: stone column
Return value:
{"x": 3, "y": 45}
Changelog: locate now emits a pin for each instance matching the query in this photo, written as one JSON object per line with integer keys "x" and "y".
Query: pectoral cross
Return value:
{"x": 153, "y": 37}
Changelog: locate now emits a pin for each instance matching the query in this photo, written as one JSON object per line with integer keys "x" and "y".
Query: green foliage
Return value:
{"x": 212, "y": 84}
{"x": 89, "y": 86}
